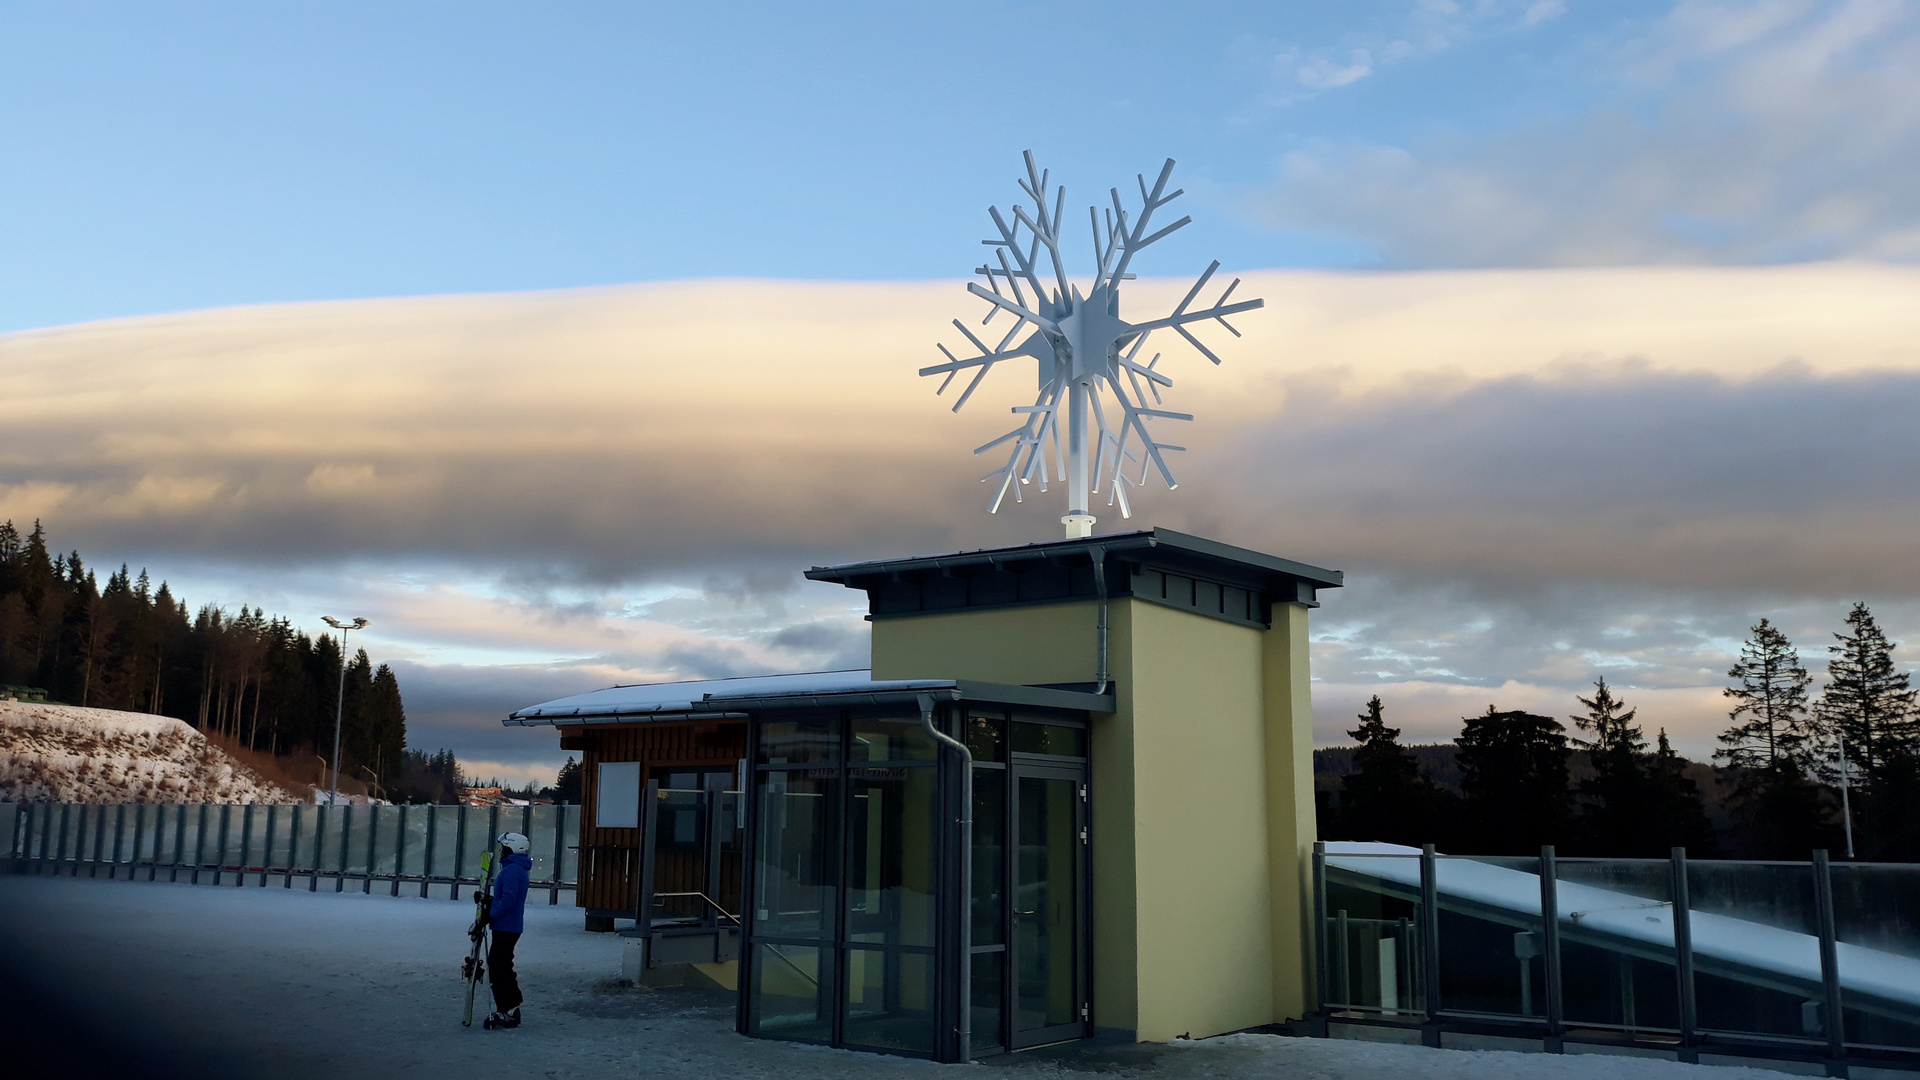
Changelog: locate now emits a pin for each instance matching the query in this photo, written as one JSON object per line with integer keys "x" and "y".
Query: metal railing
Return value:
{"x": 1802, "y": 960}
{"x": 291, "y": 846}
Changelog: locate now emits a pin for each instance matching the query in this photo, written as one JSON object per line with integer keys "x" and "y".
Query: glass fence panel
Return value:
{"x": 1492, "y": 947}
{"x": 539, "y": 832}
{"x": 1876, "y": 915}
{"x": 1373, "y": 934}
{"x": 413, "y": 840}
{"x": 383, "y": 834}
{"x": 1616, "y": 944}
{"x": 1756, "y": 947}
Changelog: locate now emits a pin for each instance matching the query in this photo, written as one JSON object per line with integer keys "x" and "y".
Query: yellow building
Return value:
{"x": 1131, "y": 714}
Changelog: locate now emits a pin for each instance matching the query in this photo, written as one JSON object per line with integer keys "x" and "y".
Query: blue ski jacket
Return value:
{"x": 509, "y": 911}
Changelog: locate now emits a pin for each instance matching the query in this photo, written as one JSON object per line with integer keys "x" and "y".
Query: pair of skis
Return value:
{"x": 475, "y": 965}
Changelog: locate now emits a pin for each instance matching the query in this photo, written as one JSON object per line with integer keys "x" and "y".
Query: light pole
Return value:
{"x": 340, "y": 699}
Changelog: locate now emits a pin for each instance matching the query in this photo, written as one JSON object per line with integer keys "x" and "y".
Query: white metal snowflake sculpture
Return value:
{"x": 1084, "y": 349}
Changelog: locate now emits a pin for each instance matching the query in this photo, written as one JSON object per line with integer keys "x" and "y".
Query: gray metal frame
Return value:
{"x": 52, "y": 839}
{"x": 1831, "y": 1050}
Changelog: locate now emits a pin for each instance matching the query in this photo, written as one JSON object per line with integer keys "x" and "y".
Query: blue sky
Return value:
{"x": 161, "y": 157}
{"x": 1591, "y": 334}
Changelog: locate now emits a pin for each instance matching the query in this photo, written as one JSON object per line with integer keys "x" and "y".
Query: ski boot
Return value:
{"x": 501, "y": 1021}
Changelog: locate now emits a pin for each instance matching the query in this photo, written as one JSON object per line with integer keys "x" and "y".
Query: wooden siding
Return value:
{"x": 610, "y": 858}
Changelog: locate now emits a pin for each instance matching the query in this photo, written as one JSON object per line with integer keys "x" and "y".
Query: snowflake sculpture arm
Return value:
{"x": 1083, "y": 349}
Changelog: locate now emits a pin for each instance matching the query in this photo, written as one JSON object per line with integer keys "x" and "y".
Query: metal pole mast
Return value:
{"x": 1846, "y": 811}
{"x": 339, "y": 699}
{"x": 1078, "y": 521}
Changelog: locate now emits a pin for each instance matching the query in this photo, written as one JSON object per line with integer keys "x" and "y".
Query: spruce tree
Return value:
{"x": 1616, "y": 814}
{"x": 1679, "y": 813}
{"x": 1781, "y": 812}
{"x": 1867, "y": 701}
{"x": 1772, "y": 697}
{"x": 1384, "y": 798}
{"x": 1513, "y": 776}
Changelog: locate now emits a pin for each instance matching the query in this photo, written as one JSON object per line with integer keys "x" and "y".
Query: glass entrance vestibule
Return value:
{"x": 854, "y": 891}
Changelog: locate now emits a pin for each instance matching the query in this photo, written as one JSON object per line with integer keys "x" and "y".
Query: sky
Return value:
{"x": 557, "y": 341}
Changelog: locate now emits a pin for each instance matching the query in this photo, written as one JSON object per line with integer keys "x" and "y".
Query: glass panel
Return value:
{"x": 989, "y": 856}
{"x": 890, "y": 740}
{"x": 988, "y": 992}
{"x": 1373, "y": 933}
{"x": 789, "y": 993}
{"x": 1045, "y": 904}
{"x": 1876, "y": 915}
{"x": 1616, "y": 943}
{"x": 383, "y": 833}
{"x": 800, "y": 741}
{"x": 986, "y": 736}
{"x": 1048, "y": 739}
{"x": 414, "y": 838}
{"x": 794, "y": 894}
{"x": 889, "y": 1000}
{"x": 891, "y": 821}
{"x": 1756, "y": 947}
{"x": 359, "y": 826}
{"x": 679, "y": 856}
{"x": 1491, "y": 951}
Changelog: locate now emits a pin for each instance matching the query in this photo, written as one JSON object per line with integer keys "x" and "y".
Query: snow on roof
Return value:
{"x": 1740, "y": 943}
{"x": 710, "y": 695}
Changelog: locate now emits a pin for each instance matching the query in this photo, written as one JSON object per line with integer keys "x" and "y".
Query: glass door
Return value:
{"x": 1048, "y": 954}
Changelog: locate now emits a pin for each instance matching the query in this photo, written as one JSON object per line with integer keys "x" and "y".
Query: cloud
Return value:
{"x": 1428, "y": 27}
{"x": 1725, "y": 133}
{"x": 1535, "y": 477}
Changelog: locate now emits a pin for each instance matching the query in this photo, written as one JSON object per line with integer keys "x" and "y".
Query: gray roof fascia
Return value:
{"x": 1114, "y": 544}
{"x": 583, "y": 717}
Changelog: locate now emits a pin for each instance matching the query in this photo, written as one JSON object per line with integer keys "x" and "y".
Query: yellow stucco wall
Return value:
{"x": 1200, "y": 825}
{"x": 1198, "y": 859}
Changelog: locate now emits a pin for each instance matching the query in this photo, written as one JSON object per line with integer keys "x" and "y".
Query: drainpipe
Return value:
{"x": 1100, "y": 586}
{"x": 966, "y": 872}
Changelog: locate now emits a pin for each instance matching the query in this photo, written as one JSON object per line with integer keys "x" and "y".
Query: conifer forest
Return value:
{"x": 251, "y": 678}
{"x": 1795, "y": 770}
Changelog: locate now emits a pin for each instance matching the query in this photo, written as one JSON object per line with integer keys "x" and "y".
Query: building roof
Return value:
{"x": 1157, "y": 565}
{"x": 716, "y": 699}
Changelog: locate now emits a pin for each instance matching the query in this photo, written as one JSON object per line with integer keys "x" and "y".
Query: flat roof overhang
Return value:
{"x": 734, "y": 699}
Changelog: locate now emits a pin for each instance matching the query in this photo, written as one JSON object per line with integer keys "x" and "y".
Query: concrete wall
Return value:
{"x": 1202, "y": 797}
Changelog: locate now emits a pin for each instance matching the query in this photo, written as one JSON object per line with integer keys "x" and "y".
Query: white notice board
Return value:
{"x": 618, "y": 804}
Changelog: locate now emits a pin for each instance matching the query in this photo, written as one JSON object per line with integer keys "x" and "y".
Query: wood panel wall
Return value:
{"x": 610, "y": 858}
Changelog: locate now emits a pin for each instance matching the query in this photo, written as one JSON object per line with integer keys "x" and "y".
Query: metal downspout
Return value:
{"x": 966, "y": 872}
{"x": 1099, "y": 554}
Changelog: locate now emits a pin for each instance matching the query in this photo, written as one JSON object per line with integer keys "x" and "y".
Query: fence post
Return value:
{"x": 1430, "y": 940}
{"x": 649, "y": 825}
{"x": 373, "y": 846}
{"x": 99, "y": 841}
{"x": 400, "y": 850}
{"x": 246, "y": 845}
{"x": 324, "y": 815}
{"x": 346, "y": 847}
{"x": 119, "y": 840}
{"x": 294, "y": 811}
{"x": 27, "y": 850}
{"x": 1683, "y": 954}
{"x": 1835, "y": 1019}
{"x": 139, "y": 840}
{"x": 1550, "y": 939}
{"x": 1322, "y": 982}
{"x": 426, "y": 868}
{"x": 200, "y": 845}
{"x": 179, "y": 841}
{"x": 559, "y": 850}
{"x": 459, "y": 849}
{"x": 220, "y": 856}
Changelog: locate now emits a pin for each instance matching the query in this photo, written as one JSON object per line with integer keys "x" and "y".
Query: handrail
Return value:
{"x": 715, "y": 904}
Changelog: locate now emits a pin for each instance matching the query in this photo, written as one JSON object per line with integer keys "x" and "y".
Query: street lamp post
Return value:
{"x": 340, "y": 699}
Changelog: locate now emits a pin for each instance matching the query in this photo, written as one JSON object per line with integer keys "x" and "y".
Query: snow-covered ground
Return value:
{"x": 61, "y": 753}
{"x": 208, "y": 983}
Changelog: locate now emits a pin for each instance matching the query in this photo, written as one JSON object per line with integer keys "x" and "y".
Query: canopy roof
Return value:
{"x": 711, "y": 699}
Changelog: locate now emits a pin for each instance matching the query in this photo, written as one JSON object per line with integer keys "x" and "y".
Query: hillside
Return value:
{"x": 59, "y": 753}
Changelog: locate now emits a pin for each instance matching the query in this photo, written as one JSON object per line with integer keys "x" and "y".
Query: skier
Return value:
{"x": 506, "y": 914}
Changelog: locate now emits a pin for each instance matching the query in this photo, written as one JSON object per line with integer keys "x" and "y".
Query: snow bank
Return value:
{"x": 59, "y": 753}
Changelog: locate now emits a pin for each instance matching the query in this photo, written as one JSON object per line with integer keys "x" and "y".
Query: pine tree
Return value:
{"x": 1867, "y": 701}
{"x": 1384, "y": 798}
{"x": 1679, "y": 813}
{"x": 1513, "y": 776}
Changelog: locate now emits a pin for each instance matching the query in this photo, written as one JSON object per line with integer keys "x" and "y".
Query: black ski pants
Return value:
{"x": 500, "y": 973}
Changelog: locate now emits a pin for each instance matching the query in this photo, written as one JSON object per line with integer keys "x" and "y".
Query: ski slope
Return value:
{"x": 63, "y": 753}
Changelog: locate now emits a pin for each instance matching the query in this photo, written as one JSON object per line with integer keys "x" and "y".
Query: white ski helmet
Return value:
{"x": 515, "y": 842}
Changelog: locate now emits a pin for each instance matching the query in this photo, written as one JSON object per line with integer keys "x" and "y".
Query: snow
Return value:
{"x": 61, "y": 753}
{"x": 266, "y": 982}
{"x": 683, "y": 697}
{"x": 1885, "y": 975}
